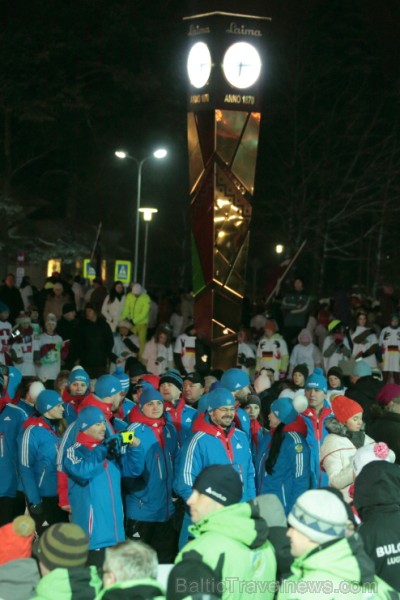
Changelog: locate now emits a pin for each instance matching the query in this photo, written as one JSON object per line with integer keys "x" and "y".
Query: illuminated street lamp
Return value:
{"x": 279, "y": 248}
{"x": 159, "y": 153}
{"x": 147, "y": 217}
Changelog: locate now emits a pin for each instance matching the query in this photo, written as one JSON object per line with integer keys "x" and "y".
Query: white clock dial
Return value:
{"x": 199, "y": 64}
{"x": 242, "y": 65}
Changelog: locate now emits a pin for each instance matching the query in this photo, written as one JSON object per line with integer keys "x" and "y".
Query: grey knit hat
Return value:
{"x": 320, "y": 516}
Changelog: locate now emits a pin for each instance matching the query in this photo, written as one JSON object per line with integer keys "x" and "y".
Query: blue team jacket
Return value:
{"x": 38, "y": 445}
{"x": 94, "y": 491}
{"x": 11, "y": 420}
{"x": 209, "y": 446}
{"x": 151, "y": 496}
{"x": 291, "y": 474}
{"x": 316, "y": 433}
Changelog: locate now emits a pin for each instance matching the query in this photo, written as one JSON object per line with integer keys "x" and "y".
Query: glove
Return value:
{"x": 36, "y": 509}
{"x": 114, "y": 444}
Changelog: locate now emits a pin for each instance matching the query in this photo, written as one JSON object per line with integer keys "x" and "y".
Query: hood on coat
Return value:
{"x": 241, "y": 522}
{"x": 333, "y": 426}
{"x": 344, "y": 558}
{"x": 377, "y": 485}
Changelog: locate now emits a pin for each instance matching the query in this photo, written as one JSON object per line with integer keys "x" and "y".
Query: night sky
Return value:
{"x": 80, "y": 80}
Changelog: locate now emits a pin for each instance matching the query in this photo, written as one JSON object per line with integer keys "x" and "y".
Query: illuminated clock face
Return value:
{"x": 241, "y": 65}
{"x": 199, "y": 64}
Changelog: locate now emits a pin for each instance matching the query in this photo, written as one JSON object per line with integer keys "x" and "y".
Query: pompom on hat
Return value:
{"x": 35, "y": 388}
{"x": 16, "y": 539}
{"x": 120, "y": 374}
{"x": 370, "y": 453}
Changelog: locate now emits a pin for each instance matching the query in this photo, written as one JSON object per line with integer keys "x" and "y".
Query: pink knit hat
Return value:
{"x": 388, "y": 393}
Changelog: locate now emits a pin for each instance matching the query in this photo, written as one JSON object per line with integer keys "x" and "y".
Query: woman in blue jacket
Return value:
{"x": 283, "y": 459}
{"x": 38, "y": 444}
{"x": 149, "y": 505}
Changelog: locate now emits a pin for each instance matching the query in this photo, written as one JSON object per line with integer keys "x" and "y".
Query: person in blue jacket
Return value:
{"x": 177, "y": 411}
{"x": 283, "y": 458}
{"x": 315, "y": 415}
{"x": 149, "y": 506}
{"x": 238, "y": 383}
{"x": 93, "y": 466}
{"x": 215, "y": 440}
{"x": 38, "y": 444}
{"x": 12, "y": 419}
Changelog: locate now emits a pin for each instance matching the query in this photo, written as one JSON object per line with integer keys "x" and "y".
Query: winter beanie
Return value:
{"x": 195, "y": 378}
{"x": 251, "y": 399}
{"x": 344, "y": 408}
{"x": 361, "y": 369}
{"x": 337, "y": 372}
{"x": 16, "y": 539}
{"x": 123, "y": 378}
{"x": 302, "y": 368}
{"x": 137, "y": 289}
{"x": 317, "y": 381}
{"x": 388, "y": 393}
{"x": 271, "y": 325}
{"x": 47, "y": 400}
{"x": 371, "y": 452}
{"x": 106, "y": 386}
{"x": 304, "y": 336}
{"x": 149, "y": 394}
{"x": 90, "y": 415}
{"x": 284, "y": 410}
{"x": 63, "y": 545}
{"x": 68, "y": 307}
{"x": 173, "y": 377}
{"x": 79, "y": 375}
{"x": 320, "y": 516}
{"x": 235, "y": 379}
{"x": 220, "y": 397}
{"x": 221, "y": 483}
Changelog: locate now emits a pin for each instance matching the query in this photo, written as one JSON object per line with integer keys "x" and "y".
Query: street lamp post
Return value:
{"x": 147, "y": 217}
{"x": 160, "y": 153}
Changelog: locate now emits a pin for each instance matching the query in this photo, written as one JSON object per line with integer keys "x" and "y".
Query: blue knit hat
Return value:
{"x": 79, "y": 375}
{"x": 317, "y": 381}
{"x": 47, "y": 400}
{"x": 202, "y": 404}
{"x": 284, "y": 410}
{"x": 148, "y": 395}
{"x": 361, "y": 369}
{"x": 173, "y": 377}
{"x": 106, "y": 386}
{"x": 235, "y": 379}
{"x": 90, "y": 416}
{"x": 220, "y": 397}
{"x": 120, "y": 374}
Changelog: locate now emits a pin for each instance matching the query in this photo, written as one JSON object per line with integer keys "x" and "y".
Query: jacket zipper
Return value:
{"x": 90, "y": 528}
{"x": 2, "y": 445}
{"x": 166, "y": 482}
{"x": 159, "y": 466}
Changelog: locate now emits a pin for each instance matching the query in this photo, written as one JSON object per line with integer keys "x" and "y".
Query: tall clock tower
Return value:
{"x": 226, "y": 61}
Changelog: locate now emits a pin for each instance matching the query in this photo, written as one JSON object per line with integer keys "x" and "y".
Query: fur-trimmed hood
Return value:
{"x": 333, "y": 426}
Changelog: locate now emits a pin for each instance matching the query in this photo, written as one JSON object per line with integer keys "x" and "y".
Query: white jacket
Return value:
{"x": 112, "y": 312}
{"x": 336, "y": 456}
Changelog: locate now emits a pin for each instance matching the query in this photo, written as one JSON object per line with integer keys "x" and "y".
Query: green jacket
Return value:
{"x": 339, "y": 571}
{"x": 233, "y": 542}
{"x": 66, "y": 584}
{"x": 137, "y": 309}
{"x": 137, "y": 588}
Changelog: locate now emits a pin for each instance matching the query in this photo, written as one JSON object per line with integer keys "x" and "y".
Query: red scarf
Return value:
{"x": 4, "y": 401}
{"x": 91, "y": 400}
{"x": 157, "y": 425}
{"x": 70, "y": 399}
{"x": 255, "y": 427}
{"x": 202, "y": 423}
{"x": 175, "y": 412}
{"x": 134, "y": 414}
{"x": 38, "y": 422}
{"x": 87, "y": 440}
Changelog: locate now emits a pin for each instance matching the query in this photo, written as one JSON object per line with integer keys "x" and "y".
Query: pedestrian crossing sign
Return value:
{"x": 122, "y": 272}
{"x": 89, "y": 269}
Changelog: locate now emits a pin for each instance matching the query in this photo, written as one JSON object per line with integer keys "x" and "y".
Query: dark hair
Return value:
{"x": 276, "y": 443}
{"x": 26, "y": 384}
{"x": 163, "y": 328}
{"x": 113, "y": 292}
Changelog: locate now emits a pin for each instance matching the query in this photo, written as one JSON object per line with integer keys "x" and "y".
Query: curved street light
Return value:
{"x": 159, "y": 153}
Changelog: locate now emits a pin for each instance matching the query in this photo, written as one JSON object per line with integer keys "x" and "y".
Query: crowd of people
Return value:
{"x": 122, "y": 450}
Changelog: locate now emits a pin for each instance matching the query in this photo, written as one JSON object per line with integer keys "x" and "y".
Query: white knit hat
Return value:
{"x": 319, "y": 515}
{"x": 370, "y": 453}
{"x": 35, "y": 388}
